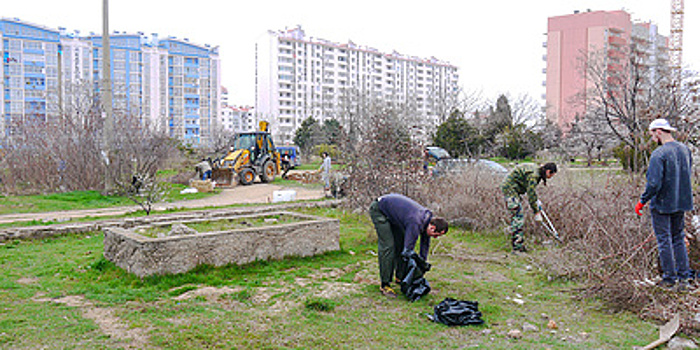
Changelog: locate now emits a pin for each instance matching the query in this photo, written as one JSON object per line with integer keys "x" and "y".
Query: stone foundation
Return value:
{"x": 145, "y": 256}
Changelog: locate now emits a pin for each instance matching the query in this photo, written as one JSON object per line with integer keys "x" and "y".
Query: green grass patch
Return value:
{"x": 79, "y": 200}
{"x": 320, "y": 302}
{"x": 225, "y": 224}
{"x": 58, "y": 202}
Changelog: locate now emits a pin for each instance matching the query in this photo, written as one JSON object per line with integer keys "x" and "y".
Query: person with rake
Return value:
{"x": 521, "y": 180}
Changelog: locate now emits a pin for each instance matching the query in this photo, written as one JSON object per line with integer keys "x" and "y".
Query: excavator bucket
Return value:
{"x": 224, "y": 177}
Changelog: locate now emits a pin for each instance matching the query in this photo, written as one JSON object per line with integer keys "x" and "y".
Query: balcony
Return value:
{"x": 614, "y": 67}
{"x": 616, "y": 41}
{"x": 615, "y": 54}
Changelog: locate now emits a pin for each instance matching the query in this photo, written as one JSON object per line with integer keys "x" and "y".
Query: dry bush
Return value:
{"x": 606, "y": 244}
{"x": 385, "y": 160}
{"x": 66, "y": 154}
{"x": 609, "y": 249}
{"x": 471, "y": 198}
{"x": 56, "y": 155}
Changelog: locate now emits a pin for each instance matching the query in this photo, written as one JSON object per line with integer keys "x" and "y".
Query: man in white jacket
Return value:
{"x": 325, "y": 171}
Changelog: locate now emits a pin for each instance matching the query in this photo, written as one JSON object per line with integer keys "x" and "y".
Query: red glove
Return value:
{"x": 638, "y": 208}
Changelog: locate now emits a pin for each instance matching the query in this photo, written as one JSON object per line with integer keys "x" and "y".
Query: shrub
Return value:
{"x": 606, "y": 246}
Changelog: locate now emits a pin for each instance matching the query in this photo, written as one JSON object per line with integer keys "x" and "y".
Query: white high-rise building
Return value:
{"x": 237, "y": 119}
{"x": 299, "y": 77}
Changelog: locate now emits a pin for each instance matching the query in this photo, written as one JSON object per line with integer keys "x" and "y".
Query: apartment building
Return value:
{"x": 608, "y": 35}
{"x": 299, "y": 77}
{"x": 235, "y": 119}
{"x": 171, "y": 82}
{"x": 30, "y": 72}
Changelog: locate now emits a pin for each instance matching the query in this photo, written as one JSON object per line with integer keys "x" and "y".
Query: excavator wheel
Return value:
{"x": 246, "y": 176}
{"x": 268, "y": 172}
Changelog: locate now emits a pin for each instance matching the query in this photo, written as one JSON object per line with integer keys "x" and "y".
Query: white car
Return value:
{"x": 458, "y": 165}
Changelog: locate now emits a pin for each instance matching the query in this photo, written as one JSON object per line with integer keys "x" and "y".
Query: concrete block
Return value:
{"x": 145, "y": 256}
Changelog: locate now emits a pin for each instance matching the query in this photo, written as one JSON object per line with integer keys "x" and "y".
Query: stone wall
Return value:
{"x": 144, "y": 256}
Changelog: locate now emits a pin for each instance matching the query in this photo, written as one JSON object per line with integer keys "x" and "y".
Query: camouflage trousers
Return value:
{"x": 517, "y": 221}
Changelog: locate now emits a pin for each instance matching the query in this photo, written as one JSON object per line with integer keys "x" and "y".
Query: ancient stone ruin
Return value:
{"x": 177, "y": 247}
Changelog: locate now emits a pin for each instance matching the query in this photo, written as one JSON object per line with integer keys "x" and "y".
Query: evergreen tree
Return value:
{"x": 332, "y": 132}
{"x": 307, "y": 135}
{"x": 455, "y": 135}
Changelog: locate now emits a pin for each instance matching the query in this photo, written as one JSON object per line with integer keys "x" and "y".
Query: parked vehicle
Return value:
{"x": 289, "y": 152}
{"x": 437, "y": 153}
{"x": 460, "y": 165}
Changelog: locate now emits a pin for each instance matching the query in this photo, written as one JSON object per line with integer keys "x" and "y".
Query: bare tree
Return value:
{"x": 526, "y": 110}
{"x": 220, "y": 139}
{"x": 626, "y": 94}
{"x": 144, "y": 189}
{"x": 57, "y": 152}
{"x": 380, "y": 149}
{"x": 63, "y": 151}
{"x": 590, "y": 137}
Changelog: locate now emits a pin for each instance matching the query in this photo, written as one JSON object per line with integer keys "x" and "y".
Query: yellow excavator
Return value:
{"x": 252, "y": 155}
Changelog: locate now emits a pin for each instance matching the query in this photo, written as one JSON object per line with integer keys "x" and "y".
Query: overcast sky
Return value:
{"x": 497, "y": 44}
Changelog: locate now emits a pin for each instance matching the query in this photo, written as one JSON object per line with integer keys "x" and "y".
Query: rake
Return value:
{"x": 549, "y": 226}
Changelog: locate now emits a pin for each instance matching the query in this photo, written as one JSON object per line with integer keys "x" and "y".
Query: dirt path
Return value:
{"x": 257, "y": 193}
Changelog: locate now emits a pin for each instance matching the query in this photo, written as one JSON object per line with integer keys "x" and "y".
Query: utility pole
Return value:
{"x": 108, "y": 127}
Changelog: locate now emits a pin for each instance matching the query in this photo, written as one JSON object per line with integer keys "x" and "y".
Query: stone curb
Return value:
{"x": 39, "y": 232}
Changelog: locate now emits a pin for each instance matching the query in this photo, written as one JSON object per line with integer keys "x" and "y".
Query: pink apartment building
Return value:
{"x": 570, "y": 39}
{"x": 611, "y": 35}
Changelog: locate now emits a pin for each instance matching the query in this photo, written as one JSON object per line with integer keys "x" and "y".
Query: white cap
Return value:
{"x": 661, "y": 124}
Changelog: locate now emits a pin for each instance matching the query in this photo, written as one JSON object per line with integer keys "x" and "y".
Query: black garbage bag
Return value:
{"x": 414, "y": 285}
{"x": 457, "y": 312}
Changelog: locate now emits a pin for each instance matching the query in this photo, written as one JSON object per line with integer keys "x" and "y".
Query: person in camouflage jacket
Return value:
{"x": 523, "y": 179}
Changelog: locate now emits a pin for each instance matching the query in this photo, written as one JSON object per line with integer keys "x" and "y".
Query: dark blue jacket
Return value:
{"x": 669, "y": 185}
{"x": 412, "y": 217}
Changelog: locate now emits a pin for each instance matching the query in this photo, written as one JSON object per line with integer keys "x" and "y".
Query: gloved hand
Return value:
{"x": 538, "y": 216}
{"x": 638, "y": 208}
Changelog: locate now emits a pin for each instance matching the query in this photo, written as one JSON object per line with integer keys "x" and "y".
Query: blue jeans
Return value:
{"x": 669, "y": 237}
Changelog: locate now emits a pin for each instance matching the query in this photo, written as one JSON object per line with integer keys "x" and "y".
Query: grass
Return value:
{"x": 60, "y": 201}
{"x": 79, "y": 200}
{"x": 321, "y": 302}
{"x": 225, "y": 224}
{"x": 317, "y": 164}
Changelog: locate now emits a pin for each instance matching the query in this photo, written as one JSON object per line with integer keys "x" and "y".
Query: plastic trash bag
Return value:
{"x": 413, "y": 285}
{"x": 457, "y": 312}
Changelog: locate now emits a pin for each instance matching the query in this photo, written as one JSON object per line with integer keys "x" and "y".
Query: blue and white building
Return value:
{"x": 171, "y": 82}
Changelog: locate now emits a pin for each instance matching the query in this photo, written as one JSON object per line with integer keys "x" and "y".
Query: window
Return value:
{"x": 33, "y": 45}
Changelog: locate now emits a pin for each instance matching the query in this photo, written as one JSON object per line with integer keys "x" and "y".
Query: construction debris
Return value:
{"x": 305, "y": 176}
{"x": 202, "y": 185}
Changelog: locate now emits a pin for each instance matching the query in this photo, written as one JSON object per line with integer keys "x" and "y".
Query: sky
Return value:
{"x": 497, "y": 44}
